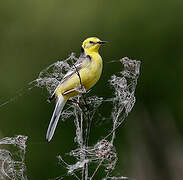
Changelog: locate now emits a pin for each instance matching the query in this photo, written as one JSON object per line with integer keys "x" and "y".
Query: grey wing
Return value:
{"x": 76, "y": 68}
{"x": 82, "y": 61}
{"x": 72, "y": 71}
{"x": 67, "y": 76}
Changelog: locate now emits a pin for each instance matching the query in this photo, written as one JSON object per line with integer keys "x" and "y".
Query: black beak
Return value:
{"x": 102, "y": 42}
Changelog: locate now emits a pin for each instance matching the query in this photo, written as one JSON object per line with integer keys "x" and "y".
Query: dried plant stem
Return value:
{"x": 88, "y": 128}
{"x": 96, "y": 169}
{"x": 85, "y": 168}
{"x": 114, "y": 126}
{"x": 114, "y": 129}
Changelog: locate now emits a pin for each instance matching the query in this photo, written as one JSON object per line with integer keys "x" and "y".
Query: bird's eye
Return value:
{"x": 91, "y": 42}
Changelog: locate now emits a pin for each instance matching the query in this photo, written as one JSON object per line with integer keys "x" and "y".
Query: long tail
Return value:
{"x": 55, "y": 117}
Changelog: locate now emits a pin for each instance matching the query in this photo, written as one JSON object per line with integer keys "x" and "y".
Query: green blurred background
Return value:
{"x": 36, "y": 33}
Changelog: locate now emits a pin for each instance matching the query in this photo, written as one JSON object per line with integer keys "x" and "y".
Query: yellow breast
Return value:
{"x": 91, "y": 74}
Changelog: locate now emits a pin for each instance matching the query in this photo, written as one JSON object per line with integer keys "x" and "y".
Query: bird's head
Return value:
{"x": 92, "y": 44}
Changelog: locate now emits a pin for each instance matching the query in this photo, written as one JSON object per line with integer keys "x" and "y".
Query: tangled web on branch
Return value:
{"x": 51, "y": 76}
{"x": 124, "y": 92}
{"x": 12, "y": 165}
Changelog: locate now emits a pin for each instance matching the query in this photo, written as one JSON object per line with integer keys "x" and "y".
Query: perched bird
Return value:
{"x": 89, "y": 69}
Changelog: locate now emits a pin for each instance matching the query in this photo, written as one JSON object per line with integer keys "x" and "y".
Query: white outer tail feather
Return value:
{"x": 55, "y": 117}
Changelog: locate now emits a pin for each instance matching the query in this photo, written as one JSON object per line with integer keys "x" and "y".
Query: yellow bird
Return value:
{"x": 89, "y": 70}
